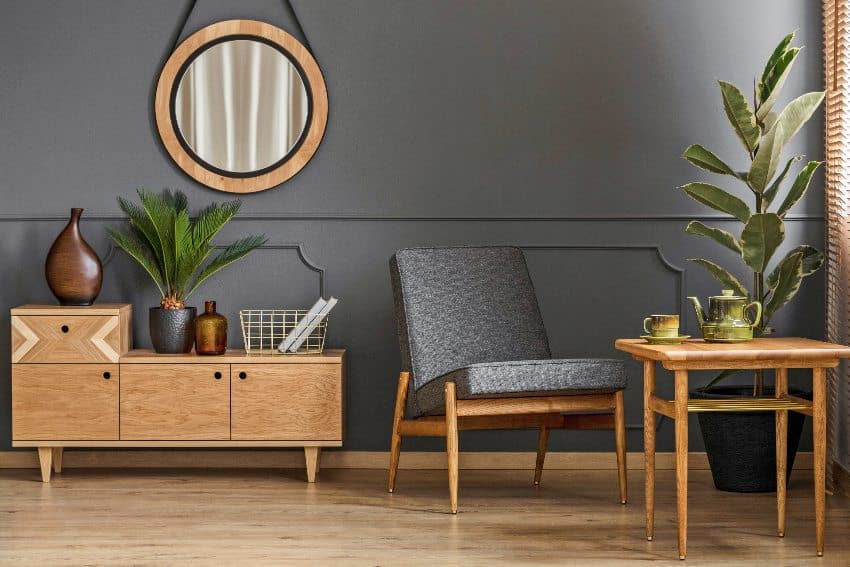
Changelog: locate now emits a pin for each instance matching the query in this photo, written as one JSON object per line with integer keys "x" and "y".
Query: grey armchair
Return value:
{"x": 475, "y": 355}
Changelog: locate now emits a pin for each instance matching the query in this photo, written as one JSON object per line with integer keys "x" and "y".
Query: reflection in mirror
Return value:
{"x": 241, "y": 106}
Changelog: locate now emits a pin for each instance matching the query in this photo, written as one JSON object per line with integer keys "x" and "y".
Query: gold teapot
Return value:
{"x": 726, "y": 321}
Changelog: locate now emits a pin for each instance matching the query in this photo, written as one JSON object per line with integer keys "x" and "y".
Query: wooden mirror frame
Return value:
{"x": 314, "y": 82}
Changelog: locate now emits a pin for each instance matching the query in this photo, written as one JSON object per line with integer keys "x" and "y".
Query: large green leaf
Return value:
{"x": 770, "y": 194}
{"x": 718, "y": 199}
{"x": 798, "y": 113}
{"x": 788, "y": 283}
{"x": 762, "y": 235}
{"x": 770, "y": 89}
{"x": 778, "y": 52}
{"x": 812, "y": 261}
{"x": 718, "y": 235}
{"x": 798, "y": 188}
{"x": 767, "y": 159}
{"x": 722, "y": 275}
{"x": 740, "y": 115}
{"x": 705, "y": 159}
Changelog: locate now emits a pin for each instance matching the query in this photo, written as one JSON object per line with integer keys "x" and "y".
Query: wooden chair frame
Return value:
{"x": 543, "y": 413}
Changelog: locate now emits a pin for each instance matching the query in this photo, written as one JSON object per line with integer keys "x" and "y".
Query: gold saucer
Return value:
{"x": 665, "y": 340}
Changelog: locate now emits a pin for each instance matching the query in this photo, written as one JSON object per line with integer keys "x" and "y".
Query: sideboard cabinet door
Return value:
{"x": 182, "y": 402}
{"x": 65, "y": 402}
{"x": 286, "y": 402}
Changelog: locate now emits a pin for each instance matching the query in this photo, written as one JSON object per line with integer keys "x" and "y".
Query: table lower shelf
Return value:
{"x": 786, "y": 402}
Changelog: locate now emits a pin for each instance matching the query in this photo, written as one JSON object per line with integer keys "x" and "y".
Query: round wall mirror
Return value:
{"x": 241, "y": 106}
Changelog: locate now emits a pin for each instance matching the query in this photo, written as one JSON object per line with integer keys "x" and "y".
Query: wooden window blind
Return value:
{"x": 836, "y": 34}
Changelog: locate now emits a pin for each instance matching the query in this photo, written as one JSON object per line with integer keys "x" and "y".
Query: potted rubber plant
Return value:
{"x": 176, "y": 251}
{"x": 741, "y": 446}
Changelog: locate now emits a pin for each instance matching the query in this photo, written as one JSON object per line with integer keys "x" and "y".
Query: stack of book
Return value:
{"x": 307, "y": 325}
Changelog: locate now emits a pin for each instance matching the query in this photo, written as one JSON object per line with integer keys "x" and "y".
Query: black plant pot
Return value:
{"x": 741, "y": 446}
{"x": 172, "y": 330}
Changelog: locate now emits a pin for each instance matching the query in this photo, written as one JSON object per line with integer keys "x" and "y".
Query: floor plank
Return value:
{"x": 265, "y": 517}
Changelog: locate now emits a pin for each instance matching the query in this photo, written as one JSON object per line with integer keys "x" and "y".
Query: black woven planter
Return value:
{"x": 741, "y": 446}
{"x": 172, "y": 330}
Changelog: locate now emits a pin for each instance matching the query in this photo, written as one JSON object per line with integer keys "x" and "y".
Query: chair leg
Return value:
{"x": 395, "y": 448}
{"x": 620, "y": 441}
{"x": 542, "y": 442}
{"x": 452, "y": 442}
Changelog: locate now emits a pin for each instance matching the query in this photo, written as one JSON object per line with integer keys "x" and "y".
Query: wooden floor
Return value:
{"x": 257, "y": 517}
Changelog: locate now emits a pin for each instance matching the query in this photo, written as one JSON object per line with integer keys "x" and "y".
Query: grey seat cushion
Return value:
{"x": 523, "y": 378}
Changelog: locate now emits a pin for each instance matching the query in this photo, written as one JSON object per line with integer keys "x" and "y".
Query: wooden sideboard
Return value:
{"x": 76, "y": 383}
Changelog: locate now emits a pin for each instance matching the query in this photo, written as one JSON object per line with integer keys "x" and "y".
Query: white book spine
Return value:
{"x": 302, "y": 324}
{"x": 313, "y": 324}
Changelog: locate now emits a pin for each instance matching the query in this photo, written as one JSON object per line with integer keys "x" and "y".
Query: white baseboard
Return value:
{"x": 342, "y": 459}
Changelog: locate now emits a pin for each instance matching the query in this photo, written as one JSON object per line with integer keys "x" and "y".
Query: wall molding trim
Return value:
{"x": 408, "y": 218}
{"x": 342, "y": 459}
{"x": 681, "y": 282}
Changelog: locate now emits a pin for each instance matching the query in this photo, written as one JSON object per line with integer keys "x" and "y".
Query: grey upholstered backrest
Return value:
{"x": 460, "y": 306}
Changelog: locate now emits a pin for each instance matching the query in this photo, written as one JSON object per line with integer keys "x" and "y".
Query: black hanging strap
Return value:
{"x": 287, "y": 5}
{"x": 300, "y": 28}
{"x": 183, "y": 20}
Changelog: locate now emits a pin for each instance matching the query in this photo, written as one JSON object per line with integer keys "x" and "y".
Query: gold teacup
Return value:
{"x": 662, "y": 325}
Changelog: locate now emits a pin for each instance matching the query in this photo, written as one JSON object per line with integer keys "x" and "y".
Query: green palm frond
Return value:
{"x": 161, "y": 216}
{"x": 235, "y": 251}
{"x": 171, "y": 246}
{"x": 211, "y": 219}
{"x": 140, "y": 252}
{"x": 139, "y": 219}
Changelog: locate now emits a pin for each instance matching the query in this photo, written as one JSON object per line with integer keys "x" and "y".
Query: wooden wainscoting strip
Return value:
{"x": 341, "y": 459}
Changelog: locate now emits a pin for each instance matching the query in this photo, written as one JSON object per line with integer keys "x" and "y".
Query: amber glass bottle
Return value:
{"x": 210, "y": 331}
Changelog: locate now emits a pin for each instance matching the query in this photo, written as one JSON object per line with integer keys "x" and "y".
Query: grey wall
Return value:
{"x": 552, "y": 125}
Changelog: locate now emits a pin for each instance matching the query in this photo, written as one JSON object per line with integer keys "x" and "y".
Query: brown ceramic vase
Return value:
{"x": 210, "y": 331}
{"x": 73, "y": 270}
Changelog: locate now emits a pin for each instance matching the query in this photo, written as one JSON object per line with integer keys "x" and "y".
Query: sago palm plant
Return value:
{"x": 763, "y": 133}
{"x": 172, "y": 247}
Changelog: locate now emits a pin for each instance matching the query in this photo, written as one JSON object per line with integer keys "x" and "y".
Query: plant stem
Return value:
{"x": 758, "y": 295}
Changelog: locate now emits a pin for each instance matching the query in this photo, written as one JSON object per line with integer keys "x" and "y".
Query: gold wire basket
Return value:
{"x": 264, "y": 329}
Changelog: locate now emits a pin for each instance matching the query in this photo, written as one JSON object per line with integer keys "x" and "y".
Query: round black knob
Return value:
{"x": 107, "y": 375}
{"x": 243, "y": 375}
{"x": 65, "y": 328}
{"x": 217, "y": 375}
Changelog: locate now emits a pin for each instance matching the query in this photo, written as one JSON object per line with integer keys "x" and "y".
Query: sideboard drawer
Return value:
{"x": 68, "y": 338}
{"x": 286, "y": 402}
{"x": 175, "y": 402}
{"x": 55, "y": 402}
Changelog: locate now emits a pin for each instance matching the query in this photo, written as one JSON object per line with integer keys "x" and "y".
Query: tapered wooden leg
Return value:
{"x": 620, "y": 441}
{"x": 681, "y": 411}
{"x": 781, "y": 389}
{"x": 45, "y": 459}
{"x": 819, "y": 434}
{"x": 311, "y": 456}
{"x": 57, "y": 459}
{"x": 649, "y": 445}
{"x": 542, "y": 441}
{"x": 452, "y": 442}
{"x": 395, "y": 444}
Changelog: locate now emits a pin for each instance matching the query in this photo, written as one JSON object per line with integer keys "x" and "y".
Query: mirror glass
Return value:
{"x": 241, "y": 106}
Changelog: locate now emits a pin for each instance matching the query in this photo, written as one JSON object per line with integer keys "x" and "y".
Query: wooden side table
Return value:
{"x": 778, "y": 353}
